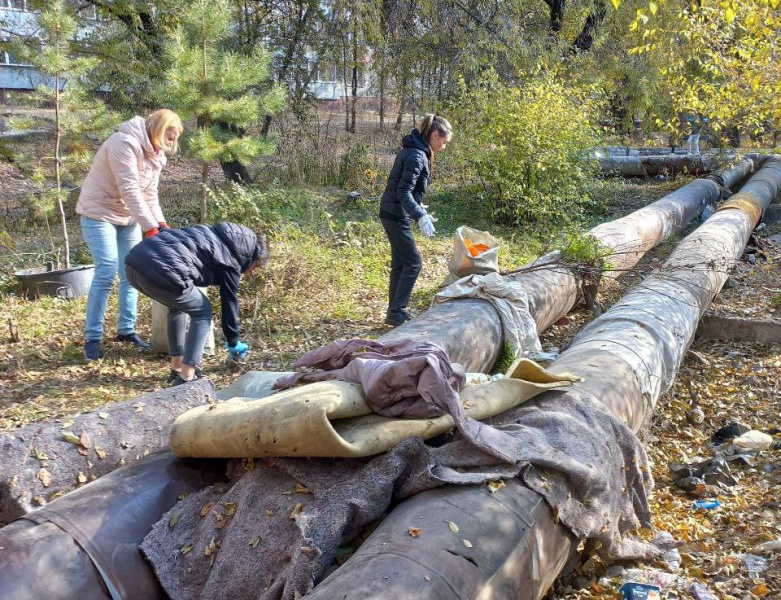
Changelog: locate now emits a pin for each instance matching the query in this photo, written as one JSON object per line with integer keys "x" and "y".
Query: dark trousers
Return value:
{"x": 405, "y": 263}
{"x": 182, "y": 341}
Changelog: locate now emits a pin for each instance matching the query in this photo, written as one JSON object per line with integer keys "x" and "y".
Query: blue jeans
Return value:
{"x": 187, "y": 343}
{"x": 109, "y": 245}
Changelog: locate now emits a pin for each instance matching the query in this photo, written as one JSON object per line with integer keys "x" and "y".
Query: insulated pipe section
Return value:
{"x": 470, "y": 331}
{"x": 84, "y": 546}
{"x": 629, "y": 356}
{"x": 495, "y": 552}
{"x": 739, "y": 171}
{"x": 641, "y": 341}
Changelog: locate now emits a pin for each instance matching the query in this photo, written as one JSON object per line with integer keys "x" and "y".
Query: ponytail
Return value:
{"x": 432, "y": 123}
{"x": 428, "y": 125}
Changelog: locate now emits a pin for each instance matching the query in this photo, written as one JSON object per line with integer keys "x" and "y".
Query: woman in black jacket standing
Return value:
{"x": 171, "y": 266}
{"x": 402, "y": 202}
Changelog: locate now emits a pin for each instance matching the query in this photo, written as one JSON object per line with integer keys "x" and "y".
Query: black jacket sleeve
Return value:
{"x": 229, "y": 289}
{"x": 413, "y": 167}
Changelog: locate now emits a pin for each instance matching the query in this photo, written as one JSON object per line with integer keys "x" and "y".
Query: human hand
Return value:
{"x": 426, "y": 224}
{"x": 163, "y": 225}
{"x": 240, "y": 350}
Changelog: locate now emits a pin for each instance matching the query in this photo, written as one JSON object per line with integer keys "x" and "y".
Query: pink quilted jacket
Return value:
{"x": 121, "y": 186}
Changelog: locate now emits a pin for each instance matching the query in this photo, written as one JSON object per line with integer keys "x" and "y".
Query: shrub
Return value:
{"x": 530, "y": 143}
{"x": 266, "y": 208}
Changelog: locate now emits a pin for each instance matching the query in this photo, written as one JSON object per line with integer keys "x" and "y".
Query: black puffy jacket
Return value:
{"x": 408, "y": 180}
{"x": 177, "y": 259}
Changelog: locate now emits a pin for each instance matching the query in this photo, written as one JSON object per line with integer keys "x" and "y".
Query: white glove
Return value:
{"x": 426, "y": 225}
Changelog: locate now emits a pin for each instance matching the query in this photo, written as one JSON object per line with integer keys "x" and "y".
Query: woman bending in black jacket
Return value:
{"x": 171, "y": 266}
{"x": 402, "y": 202}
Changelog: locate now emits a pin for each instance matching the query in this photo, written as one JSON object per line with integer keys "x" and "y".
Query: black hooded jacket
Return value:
{"x": 408, "y": 180}
{"x": 177, "y": 259}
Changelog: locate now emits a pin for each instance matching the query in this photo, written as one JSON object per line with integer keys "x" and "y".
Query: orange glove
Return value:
{"x": 151, "y": 232}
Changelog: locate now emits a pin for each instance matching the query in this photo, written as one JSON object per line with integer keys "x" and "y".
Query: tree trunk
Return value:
{"x": 204, "y": 181}
{"x": 629, "y": 357}
{"x": 345, "y": 86}
{"x": 289, "y": 56}
{"x": 382, "y": 99}
{"x": 354, "y": 102}
{"x": 232, "y": 169}
{"x": 58, "y": 175}
{"x": 585, "y": 39}
{"x": 400, "y": 112}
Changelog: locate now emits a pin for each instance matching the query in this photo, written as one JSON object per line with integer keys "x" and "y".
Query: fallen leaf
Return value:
{"x": 84, "y": 440}
{"x": 173, "y": 520}
{"x": 467, "y": 543}
{"x": 70, "y": 437}
{"x": 269, "y": 513}
{"x": 207, "y": 508}
{"x": 41, "y": 455}
{"x": 302, "y": 489}
{"x": 81, "y": 477}
{"x": 230, "y": 508}
{"x": 182, "y": 496}
{"x": 101, "y": 453}
{"x": 414, "y": 531}
{"x": 495, "y": 486}
{"x": 103, "y": 415}
{"x": 45, "y": 477}
{"x": 210, "y": 549}
{"x": 82, "y": 450}
{"x": 453, "y": 526}
{"x": 254, "y": 542}
{"x": 298, "y": 508}
{"x": 556, "y": 515}
{"x": 186, "y": 548}
{"x": 760, "y": 590}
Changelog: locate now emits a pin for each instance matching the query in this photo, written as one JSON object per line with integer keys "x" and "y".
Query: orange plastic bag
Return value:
{"x": 476, "y": 249}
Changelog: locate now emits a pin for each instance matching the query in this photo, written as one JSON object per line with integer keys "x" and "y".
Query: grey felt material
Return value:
{"x": 39, "y": 463}
{"x": 586, "y": 463}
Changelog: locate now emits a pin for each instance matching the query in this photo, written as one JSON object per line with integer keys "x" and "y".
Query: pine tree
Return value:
{"x": 219, "y": 88}
{"x": 55, "y": 55}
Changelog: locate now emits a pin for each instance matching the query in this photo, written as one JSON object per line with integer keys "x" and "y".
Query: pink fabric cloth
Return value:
{"x": 121, "y": 186}
{"x": 403, "y": 379}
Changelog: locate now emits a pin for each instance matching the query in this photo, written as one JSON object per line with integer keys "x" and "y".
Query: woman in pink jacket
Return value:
{"x": 118, "y": 202}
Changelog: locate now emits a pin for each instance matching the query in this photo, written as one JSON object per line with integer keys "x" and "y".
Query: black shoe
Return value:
{"x": 179, "y": 381}
{"x": 174, "y": 374}
{"x": 92, "y": 350}
{"x": 396, "y": 318}
{"x": 133, "y": 338}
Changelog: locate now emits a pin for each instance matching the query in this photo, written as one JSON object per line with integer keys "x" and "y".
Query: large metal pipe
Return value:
{"x": 470, "y": 330}
{"x": 629, "y": 357}
{"x": 84, "y": 546}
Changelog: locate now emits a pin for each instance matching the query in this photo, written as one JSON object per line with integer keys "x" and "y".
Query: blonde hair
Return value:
{"x": 158, "y": 123}
{"x": 432, "y": 123}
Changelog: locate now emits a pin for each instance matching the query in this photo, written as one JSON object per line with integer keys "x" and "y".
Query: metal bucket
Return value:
{"x": 61, "y": 283}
